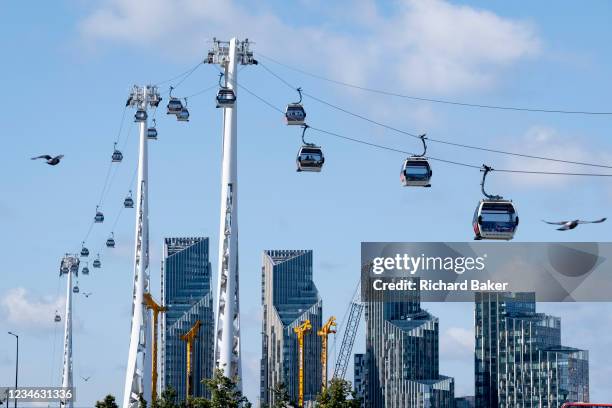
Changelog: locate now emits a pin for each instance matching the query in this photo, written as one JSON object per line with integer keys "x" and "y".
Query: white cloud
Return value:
{"x": 445, "y": 47}
{"x": 547, "y": 142}
{"x": 22, "y": 310}
{"x": 422, "y": 45}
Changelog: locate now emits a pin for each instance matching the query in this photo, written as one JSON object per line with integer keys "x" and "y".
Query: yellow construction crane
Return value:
{"x": 190, "y": 337}
{"x": 156, "y": 308}
{"x": 326, "y": 330}
{"x": 301, "y": 330}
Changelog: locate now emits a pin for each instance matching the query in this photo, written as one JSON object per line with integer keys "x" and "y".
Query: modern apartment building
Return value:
{"x": 402, "y": 357}
{"x": 359, "y": 376}
{"x": 186, "y": 293}
{"x": 289, "y": 298}
{"x": 519, "y": 359}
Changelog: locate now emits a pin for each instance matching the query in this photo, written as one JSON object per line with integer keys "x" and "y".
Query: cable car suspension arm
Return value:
{"x": 423, "y": 137}
{"x": 304, "y": 127}
{"x": 486, "y": 169}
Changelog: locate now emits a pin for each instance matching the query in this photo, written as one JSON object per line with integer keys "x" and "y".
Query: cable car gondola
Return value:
{"x": 97, "y": 263}
{"x": 75, "y": 289}
{"x": 152, "y": 131}
{"x": 110, "y": 242}
{"x": 140, "y": 115}
{"x": 416, "y": 171}
{"x": 295, "y": 113}
{"x": 84, "y": 250}
{"x": 175, "y": 106}
{"x": 226, "y": 98}
{"x": 117, "y": 155}
{"x": 99, "y": 218}
{"x": 57, "y": 317}
{"x": 494, "y": 217}
{"x": 129, "y": 201}
{"x": 310, "y": 156}
{"x": 85, "y": 270}
{"x": 183, "y": 115}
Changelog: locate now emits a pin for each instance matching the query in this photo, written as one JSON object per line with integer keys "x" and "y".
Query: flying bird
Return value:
{"x": 569, "y": 225}
{"x": 52, "y": 161}
{"x": 85, "y": 378}
{"x": 87, "y": 294}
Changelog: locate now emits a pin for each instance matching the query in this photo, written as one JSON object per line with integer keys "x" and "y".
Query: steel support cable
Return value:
{"x": 122, "y": 206}
{"x": 111, "y": 164}
{"x": 91, "y": 224}
{"x": 201, "y": 91}
{"x": 433, "y": 100}
{"x": 465, "y": 146}
{"x": 441, "y": 141}
{"x": 109, "y": 183}
{"x": 57, "y": 292}
{"x": 121, "y": 124}
{"x": 106, "y": 185}
{"x": 383, "y": 147}
{"x": 118, "y": 216}
{"x": 184, "y": 74}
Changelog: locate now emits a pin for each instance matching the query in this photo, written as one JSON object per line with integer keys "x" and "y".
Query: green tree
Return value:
{"x": 225, "y": 393}
{"x": 281, "y": 396}
{"x": 166, "y": 400}
{"x": 107, "y": 402}
{"x": 142, "y": 403}
{"x": 336, "y": 395}
{"x": 197, "y": 402}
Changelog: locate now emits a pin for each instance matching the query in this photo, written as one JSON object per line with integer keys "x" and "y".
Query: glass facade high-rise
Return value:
{"x": 465, "y": 402}
{"x": 289, "y": 297}
{"x": 519, "y": 359}
{"x": 186, "y": 293}
{"x": 402, "y": 360}
{"x": 359, "y": 376}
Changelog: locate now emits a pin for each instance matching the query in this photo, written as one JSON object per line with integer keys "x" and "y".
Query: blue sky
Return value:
{"x": 66, "y": 72}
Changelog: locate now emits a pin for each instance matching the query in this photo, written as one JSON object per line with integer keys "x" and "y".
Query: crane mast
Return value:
{"x": 156, "y": 308}
{"x": 301, "y": 330}
{"x": 348, "y": 339}
{"x": 326, "y": 330}
{"x": 190, "y": 337}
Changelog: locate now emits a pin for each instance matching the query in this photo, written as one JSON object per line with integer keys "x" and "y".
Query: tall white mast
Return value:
{"x": 138, "y": 372}
{"x": 69, "y": 266}
{"x": 227, "y": 332}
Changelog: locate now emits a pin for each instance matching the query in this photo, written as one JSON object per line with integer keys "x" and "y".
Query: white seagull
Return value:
{"x": 569, "y": 225}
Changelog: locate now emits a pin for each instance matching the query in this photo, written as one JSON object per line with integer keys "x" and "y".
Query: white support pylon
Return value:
{"x": 69, "y": 266}
{"x": 227, "y": 344}
{"x": 138, "y": 370}
{"x": 227, "y": 331}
